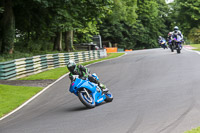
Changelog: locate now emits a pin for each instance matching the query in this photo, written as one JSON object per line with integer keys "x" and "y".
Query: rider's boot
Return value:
{"x": 103, "y": 87}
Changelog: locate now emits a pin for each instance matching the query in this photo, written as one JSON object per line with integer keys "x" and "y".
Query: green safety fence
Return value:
{"x": 28, "y": 66}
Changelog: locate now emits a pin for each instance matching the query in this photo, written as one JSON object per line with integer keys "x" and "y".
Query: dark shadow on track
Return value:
{"x": 82, "y": 108}
{"x": 79, "y": 108}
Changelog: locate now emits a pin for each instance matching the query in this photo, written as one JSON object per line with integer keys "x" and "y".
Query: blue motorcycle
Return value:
{"x": 163, "y": 43}
{"x": 89, "y": 93}
{"x": 177, "y": 41}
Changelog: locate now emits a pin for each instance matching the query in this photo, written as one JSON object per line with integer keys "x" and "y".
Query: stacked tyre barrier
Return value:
{"x": 32, "y": 65}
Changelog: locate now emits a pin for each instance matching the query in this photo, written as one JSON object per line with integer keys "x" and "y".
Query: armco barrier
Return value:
{"x": 27, "y": 66}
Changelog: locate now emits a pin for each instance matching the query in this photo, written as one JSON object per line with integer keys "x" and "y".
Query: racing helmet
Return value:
{"x": 176, "y": 28}
{"x": 71, "y": 65}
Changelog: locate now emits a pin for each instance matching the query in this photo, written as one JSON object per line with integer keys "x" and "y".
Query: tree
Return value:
{"x": 85, "y": 16}
{"x": 185, "y": 14}
{"x": 136, "y": 24}
{"x": 117, "y": 27}
{"x": 38, "y": 20}
{"x": 7, "y": 27}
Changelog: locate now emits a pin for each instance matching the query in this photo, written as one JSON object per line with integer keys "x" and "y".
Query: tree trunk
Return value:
{"x": 8, "y": 28}
{"x": 69, "y": 40}
{"x": 67, "y": 45}
{"x": 1, "y": 23}
{"x": 58, "y": 41}
{"x": 55, "y": 42}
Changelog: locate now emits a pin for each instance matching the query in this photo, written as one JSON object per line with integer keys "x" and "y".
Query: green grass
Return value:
{"x": 110, "y": 56}
{"x": 197, "y": 46}
{"x": 58, "y": 72}
{"x": 13, "y": 96}
{"x": 50, "y": 74}
{"x": 196, "y": 130}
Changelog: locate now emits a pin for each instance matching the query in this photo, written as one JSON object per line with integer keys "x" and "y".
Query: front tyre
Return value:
{"x": 178, "y": 50}
{"x": 171, "y": 47}
{"x": 86, "y": 98}
{"x": 109, "y": 96}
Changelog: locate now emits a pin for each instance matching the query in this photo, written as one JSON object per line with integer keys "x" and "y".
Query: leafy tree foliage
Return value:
{"x": 37, "y": 21}
{"x": 39, "y": 25}
{"x": 186, "y": 14}
{"x": 136, "y": 23}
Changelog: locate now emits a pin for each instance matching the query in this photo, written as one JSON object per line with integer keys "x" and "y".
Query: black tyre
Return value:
{"x": 178, "y": 50}
{"x": 86, "y": 98}
{"x": 109, "y": 96}
{"x": 172, "y": 50}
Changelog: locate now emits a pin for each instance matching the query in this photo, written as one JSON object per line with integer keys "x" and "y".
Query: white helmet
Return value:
{"x": 175, "y": 28}
{"x": 71, "y": 65}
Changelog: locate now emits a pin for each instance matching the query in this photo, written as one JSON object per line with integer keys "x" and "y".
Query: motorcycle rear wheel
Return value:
{"x": 88, "y": 101}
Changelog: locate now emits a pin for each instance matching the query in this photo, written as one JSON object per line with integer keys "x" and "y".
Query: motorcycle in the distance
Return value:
{"x": 163, "y": 43}
{"x": 177, "y": 42}
{"x": 89, "y": 93}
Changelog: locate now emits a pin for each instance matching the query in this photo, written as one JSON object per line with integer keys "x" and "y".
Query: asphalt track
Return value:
{"x": 155, "y": 91}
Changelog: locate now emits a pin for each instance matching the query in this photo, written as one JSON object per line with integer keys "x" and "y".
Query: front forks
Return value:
{"x": 87, "y": 94}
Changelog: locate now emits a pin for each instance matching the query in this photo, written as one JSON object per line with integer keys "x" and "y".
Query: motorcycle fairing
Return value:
{"x": 79, "y": 83}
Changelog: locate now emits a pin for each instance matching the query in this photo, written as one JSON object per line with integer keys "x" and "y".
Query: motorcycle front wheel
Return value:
{"x": 178, "y": 50}
{"x": 171, "y": 47}
{"x": 109, "y": 96}
{"x": 86, "y": 98}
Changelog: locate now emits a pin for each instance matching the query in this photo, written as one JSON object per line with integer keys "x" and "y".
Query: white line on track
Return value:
{"x": 39, "y": 93}
{"x": 192, "y": 51}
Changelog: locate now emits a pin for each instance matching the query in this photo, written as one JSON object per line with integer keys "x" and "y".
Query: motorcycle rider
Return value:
{"x": 83, "y": 73}
{"x": 169, "y": 40}
{"x": 169, "y": 37}
{"x": 177, "y": 32}
{"x": 160, "y": 40}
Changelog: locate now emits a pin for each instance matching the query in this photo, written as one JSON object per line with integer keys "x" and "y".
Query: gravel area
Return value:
{"x": 35, "y": 83}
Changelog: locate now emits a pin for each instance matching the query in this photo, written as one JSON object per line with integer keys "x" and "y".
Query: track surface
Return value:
{"x": 155, "y": 91}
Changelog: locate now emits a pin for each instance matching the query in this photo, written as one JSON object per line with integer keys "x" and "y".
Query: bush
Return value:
{"x": 33, "y": 46}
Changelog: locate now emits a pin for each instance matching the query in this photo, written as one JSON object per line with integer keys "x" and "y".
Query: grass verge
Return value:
{"x": 13, "y": 96}
{"x": 50, "y": 74}
{"x": 196, "y": 130}
{"x": 58, "y": 72}
{"x": 197, "y": 46}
